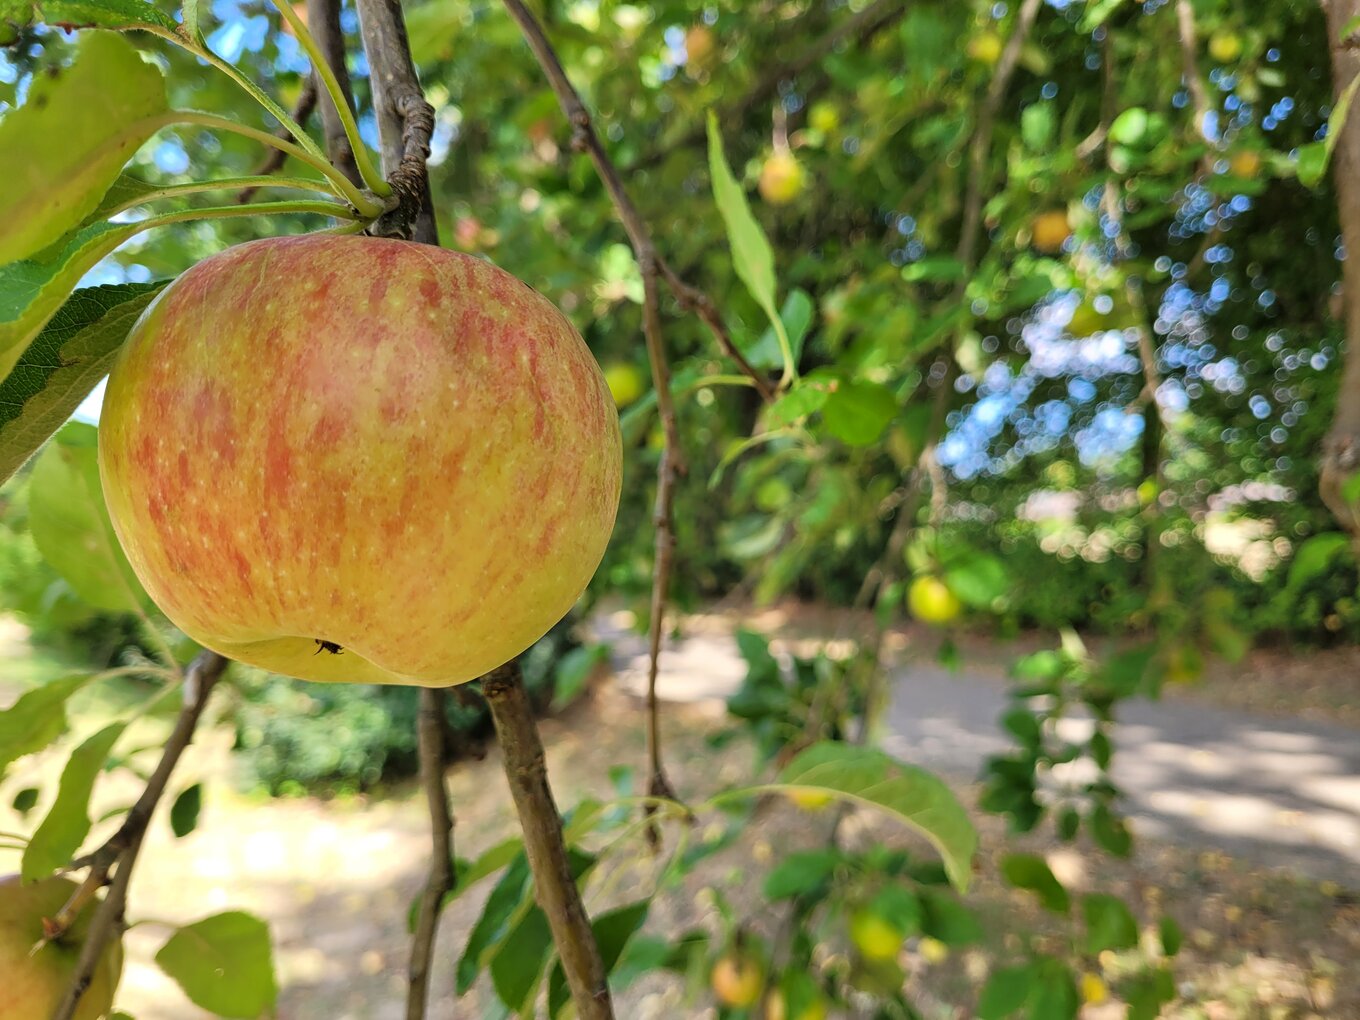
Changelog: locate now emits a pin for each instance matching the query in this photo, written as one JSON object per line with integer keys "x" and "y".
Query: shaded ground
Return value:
{"x": 335, "y": 878}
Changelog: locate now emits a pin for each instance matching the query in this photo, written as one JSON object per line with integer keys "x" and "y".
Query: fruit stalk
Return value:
{"x": 527, "y": 772}
{"x": 125, "y": 844}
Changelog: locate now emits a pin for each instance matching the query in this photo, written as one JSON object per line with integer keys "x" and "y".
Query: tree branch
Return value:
{"x": 558, "y": 896}
{"x": 585, "y": 139}
{"x": 405, "y": 122}
{"x": 323, "y": 20}
{"x": 1199, "y": 94}
{"x": 123, "y": 847}
{"x": 441, "y": 879}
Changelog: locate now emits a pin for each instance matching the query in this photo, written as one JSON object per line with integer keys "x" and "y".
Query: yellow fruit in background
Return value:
{"x": 625, "y": 382}
{"x": 33, "y": 981}
{"x": 985, "y": 48}
{"x": 1225, "y": 46}
{"x": 781, "y": 179}
{"x": 1245, "y": 164}
{"x": 1094, "y": 991}
{"x": 1050, "y": 231}
{"x": 737, "y": 979}
{"x": 930, "y": 601}
{"x": 811, "y": 800}
{"x": 699, "y": 45}
{"x": 874, "y": 937}
{"x": 823, "y": 117}
{"x": 776, "y": 1009}
{"x": 932, "y": 950}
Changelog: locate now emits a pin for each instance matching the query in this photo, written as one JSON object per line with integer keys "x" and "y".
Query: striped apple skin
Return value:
{"x": 385, "y": 446}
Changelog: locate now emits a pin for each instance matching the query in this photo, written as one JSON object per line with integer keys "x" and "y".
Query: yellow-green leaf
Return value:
{"x": 68, "y": 822}
{"x": 61, "y": 150}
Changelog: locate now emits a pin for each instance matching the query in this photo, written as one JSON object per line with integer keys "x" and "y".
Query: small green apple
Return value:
{"x": 33, "y": 982}
{"x": 625, "y": 383}
{"x": 875, "y": 938}
{"x": 1225, "y": 46}
{"x": 781, "y": 179}
{"x": 359, "y": 459}
{"x": 931, "y": 601}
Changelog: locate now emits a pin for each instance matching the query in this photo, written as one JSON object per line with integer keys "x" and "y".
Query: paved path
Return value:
{"x": 1280, "y": 792}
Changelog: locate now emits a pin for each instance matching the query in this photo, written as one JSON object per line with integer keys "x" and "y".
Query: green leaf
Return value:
{"x": 32, "y": 291}
{"x": 519, "y": 961}
{"x": 613, "y": 932}
{"x": 192, "y": 23}
{"x": 935, "y": 269}
{"x": 979, "y": 580}
{"x": 915, "y": 796}
{"x": 857, "y": 412}
{"x": 1169, "y": 932}
{"x": 752, "y": 256}
{"x": 224, "y": 963}
{"x": 490, "y": 862}
{"x": 59, "y": 369}
{"x": 948, "y": 920}
{"x": 801, "y": 874}
{"x": 68, "y": 821}
{"x": 1348, "y": 29}
{"x": 805, "y": 398}
{"x": 1054, "y": 994}
{"x": 1109, "y": 923}
{"x": 1314, "y": 157}
{"x": 71, "y": 526}
{"x": 1130, "y": 127}
{"x": 1147, "y": 993}
{"x": 61, "y": 150}
{"x": 184, "y": 812}
{"x": 120, "y": 14}
{"x": 36, "y": 719}
{"x": 1027, "y": 871}
{"x": 1110, "y": 831}
{"x": 504, "y": 902}
{"x": 1314, "y": 557}
{"x": 1097, "y": 13}
{"x": 1005, "y": 992}
{"x": 573, "y": 670}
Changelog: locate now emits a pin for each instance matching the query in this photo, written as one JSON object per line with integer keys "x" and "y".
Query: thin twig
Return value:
{"x": 323, "y": 20}
{"x": 1199, "y": 93}
{"x": 123, "y": 847}
{"x": 273, "y": 162}
{"x": 405, "y": 122}
{"x": 441, "y": 879}
{"x": 586, "y": 139}
{"x": 526, "y": 770}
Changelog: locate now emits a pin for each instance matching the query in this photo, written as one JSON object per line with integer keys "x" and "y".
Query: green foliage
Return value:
{"x": 67, "y": 823}
{"x": 224, "y": 964}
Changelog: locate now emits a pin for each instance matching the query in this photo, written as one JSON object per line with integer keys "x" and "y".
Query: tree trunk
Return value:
{"x": 1341, "y": 447}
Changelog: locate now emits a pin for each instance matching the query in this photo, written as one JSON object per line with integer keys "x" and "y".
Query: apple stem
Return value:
{"x": 124, "y": 845}
{"x": 442, "y": 878}
{"x": 526, "y": 770}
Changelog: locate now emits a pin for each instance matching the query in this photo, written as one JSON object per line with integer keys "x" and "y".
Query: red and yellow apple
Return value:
{"x": 359, "y": 459}
{"x": 33, "y": 982}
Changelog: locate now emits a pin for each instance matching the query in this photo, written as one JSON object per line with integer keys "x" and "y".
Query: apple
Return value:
{"x": 875, "y": 938}
{"x": 781, "y": 179}
{"x": 932, "y": 950}
{"x": 1225, "y": 46}
{"x": 777, "y": 1009}
{"x": 359, "y": 459}
{"x": 1094, "y": 991}
{"x": 32, "y": 983}
{"x": 1050, "y": 231}
{"x": 625, "y": 383}
{"x": 699, "y": 45}
{"x": 824, "y": 117}
{"x": 931, "y": 601}
{"x": 985, "y": 48}
{"x": 1245, "y": 164}
{"x": 737, "y": 979}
